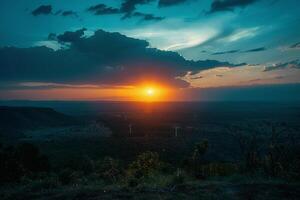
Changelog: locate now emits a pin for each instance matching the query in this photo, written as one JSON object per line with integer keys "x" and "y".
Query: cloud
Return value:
{"x": 69, "y": 36}
{"x": 52, "y": 36}
{"x": 52, "y": 44}
{"x": 147, "y": 17}
{"x": 165, "y": 3}
{"x": 295, "y": 46}
{"x": 241, "y": 34}
{"x": 103, "y": 58}
{"x": 69, "y": 13}
{"x": 128, "y": 9}
{"x": 42, "y": 10}
{"x": 47, "y": 10}
{"x": 256, "y": 49}
{"x": 173, "y": 39}
{"x": 292, "y": 64}
{"x": 292, "y": 47}
{"x": 244, "y": 75}
{"x": 225, "y": 52}
{"x": 129, "y": 6}
{"x": 229, "y": 5}
{"x": 102, "y": 9}
{"x": 238, "y": 51}
{"x": 143, "y": 16}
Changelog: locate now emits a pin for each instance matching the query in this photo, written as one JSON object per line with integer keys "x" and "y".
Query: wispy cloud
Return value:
{"x": 50, "y": 44}
{"x": 170, "y": 39}
{"x": 239, "y": 51}
{"x": 49, "y": 85}
{"x": 241, "y": 34}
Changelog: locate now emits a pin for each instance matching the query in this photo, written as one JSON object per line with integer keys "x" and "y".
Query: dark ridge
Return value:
{"x": 24, "y": 118}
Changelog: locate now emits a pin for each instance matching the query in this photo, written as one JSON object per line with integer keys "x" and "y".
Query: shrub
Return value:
{"x": 145, "y": 164}
{"x": 109, "y": 169}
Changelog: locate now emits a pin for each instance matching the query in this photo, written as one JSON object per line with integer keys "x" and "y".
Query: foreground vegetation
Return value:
{"x": 25, "y": 173}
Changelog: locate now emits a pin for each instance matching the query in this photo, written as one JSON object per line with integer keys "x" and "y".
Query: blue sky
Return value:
{"x": 254, "y": 35}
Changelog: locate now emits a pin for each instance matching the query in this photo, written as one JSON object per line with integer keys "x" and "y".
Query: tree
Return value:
{"x": 200, "y": 149}
{"x": 197, "y": 161}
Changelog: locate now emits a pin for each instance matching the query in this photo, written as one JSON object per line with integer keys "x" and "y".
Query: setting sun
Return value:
{"x": 150, "y": 91}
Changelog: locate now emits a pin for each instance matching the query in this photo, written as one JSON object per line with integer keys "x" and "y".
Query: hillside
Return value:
{"x": 16, "y": 119}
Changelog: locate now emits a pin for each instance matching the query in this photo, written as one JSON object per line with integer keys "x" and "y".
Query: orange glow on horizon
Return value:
{"x": 148, "y": 92}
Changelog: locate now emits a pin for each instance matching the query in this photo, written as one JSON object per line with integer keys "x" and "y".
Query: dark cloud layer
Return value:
{"x": 104, "y": 58}
{"x": 42, "y": 10}
{"x": 238, "y": 51}
{"x": 256, "y": 49}
{"x": 102, "y": 9}
{"x": 165, "y": 3}
{"x": 225, "y": 52}
{"x": 229, "y": 5}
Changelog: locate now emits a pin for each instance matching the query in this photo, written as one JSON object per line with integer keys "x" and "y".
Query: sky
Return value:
{"x": 186, "y": 49}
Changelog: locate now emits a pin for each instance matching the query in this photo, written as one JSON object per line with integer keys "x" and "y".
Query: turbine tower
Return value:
{"x": 176, "y": 130}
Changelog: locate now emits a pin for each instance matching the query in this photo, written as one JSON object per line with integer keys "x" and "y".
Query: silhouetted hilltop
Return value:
{"x": 22, "y": 118}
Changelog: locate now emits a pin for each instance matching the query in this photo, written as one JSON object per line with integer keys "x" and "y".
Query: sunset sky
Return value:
{"x": 121, "y": 49}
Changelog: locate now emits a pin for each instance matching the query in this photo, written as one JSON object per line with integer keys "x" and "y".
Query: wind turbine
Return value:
{"x": 130, "y": 129}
